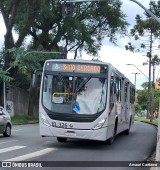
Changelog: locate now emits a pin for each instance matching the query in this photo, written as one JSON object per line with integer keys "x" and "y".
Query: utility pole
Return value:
{"x": 149, "y": 55}
{"x": 135, "y": 78}
{"x": 153, "y": 90}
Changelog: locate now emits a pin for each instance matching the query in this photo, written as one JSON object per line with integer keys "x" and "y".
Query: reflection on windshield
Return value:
{"x": 79, "y": 95}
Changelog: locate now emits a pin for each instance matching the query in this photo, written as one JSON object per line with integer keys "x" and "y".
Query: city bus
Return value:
{"x": 83, "y": 99}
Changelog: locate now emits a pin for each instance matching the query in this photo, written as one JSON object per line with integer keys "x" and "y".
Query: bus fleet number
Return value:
{"x": 59, "y": 125}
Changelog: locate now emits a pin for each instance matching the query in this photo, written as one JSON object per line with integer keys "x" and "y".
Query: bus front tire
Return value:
{"x": 61, "y": 139}
{"x": 111, "y": 140}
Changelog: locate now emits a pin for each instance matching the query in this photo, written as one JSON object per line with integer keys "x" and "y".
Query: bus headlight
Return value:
{"x": 44, "y": 120}
{"x": 100, "y": 124}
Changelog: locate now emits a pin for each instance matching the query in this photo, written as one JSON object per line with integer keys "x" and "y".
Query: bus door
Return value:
{"x": 123, "y": 101}
{"x": 112, "y": 103}
{"x": 119, "y": 100}
{"x": 126, "y": 102}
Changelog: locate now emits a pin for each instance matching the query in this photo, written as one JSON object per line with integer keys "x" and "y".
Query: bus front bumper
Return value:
{"x": 98, "y": 134}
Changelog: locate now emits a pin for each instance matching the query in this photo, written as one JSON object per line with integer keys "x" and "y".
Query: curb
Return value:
{"x": 30, "y": 122}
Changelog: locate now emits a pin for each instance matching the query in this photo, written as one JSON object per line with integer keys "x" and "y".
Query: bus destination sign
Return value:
{"x": 73, "y": 67}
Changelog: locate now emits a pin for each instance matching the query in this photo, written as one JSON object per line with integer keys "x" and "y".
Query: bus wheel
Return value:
{"x": 61, "y": 139}
{"x": 111, "y": 140}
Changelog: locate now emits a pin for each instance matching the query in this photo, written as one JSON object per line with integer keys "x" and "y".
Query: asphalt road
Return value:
{"x": 26, "y": 144}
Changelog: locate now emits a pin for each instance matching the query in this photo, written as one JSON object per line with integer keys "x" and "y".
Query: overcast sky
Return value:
{"x": 117, "y": 55}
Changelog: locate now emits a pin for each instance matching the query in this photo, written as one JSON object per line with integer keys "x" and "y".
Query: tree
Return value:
{"x": 43, "y": 21}
{"x": 9, "y": 11}
{"x": 142, "y": 97}
{"x": 144, "y": 28}
{"x": 85, "y": 30}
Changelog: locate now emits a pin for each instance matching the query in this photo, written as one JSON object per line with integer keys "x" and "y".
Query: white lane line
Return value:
{"x": 8, "y": 141}
{"x": 48, "y": 141}
{"x": 11, "y": 148}
{"x": 31, "y": 155}
{"x": 17, "y": 130}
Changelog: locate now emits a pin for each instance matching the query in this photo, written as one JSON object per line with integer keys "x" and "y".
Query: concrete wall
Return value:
{"x": 17, "y": 102}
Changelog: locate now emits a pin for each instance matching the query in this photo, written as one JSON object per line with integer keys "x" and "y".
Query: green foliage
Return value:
{"x": 138, "y": 108}
{"x": 143, "y": 119}
{"x": 4, "y": 76}
{"x": 27, "y": 62}
{"x": 85, "y": 30}
{"x": 143, "y": 98}
{"x": 49, "y": 30}
{"x": 23, "y": 119}
{"x": 145, "y": 27}
{"x": 145, "y": 85}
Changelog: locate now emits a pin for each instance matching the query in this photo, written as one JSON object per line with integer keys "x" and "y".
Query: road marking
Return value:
{"x": 11, "y": 148}
{"x": 48, "y": 141}
{"x": 8, "y": 141}
{"x": 17, "y": 130}
{"x": 31, "y": 155}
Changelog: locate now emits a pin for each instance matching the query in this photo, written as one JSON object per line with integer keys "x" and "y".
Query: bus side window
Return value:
{"x": 112, "y": 89}
{"x": 126, "y": 91}
{"x": 118, "y": 88}
{"x": 132, "y": 95}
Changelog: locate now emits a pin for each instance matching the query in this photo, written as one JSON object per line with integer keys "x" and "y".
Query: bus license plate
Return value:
{"x": 70, "y": 134}
{"x": 59, "y": 125}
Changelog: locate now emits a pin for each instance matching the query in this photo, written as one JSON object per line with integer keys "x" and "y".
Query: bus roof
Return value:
{"x": 77, "y": 61}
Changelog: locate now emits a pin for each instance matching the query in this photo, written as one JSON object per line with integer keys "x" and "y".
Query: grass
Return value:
{"x": 24, "y": 119}
{"x": 144, "y": 119}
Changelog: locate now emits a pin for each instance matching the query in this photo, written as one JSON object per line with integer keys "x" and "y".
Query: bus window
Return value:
{"x": 132, "y": 95}
{"x": 112, "y": 89}
{"x": 118, "y": 88}
{"x": 63, "y": 93}
{"x": 125, "y": 92}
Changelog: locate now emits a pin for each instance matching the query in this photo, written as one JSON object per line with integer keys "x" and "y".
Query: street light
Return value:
{"x": 135, "y": 74}
{"x": 147, "y": 11}
{"x": 137, "y": 69}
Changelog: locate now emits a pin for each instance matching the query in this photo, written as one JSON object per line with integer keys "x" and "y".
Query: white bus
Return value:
{"x": 84, "y": 100}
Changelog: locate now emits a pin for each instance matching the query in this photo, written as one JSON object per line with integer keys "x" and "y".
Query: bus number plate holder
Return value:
{"x": 70, "y": 134}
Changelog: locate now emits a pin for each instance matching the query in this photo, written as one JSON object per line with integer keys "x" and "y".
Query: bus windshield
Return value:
{"x": 74, "y": 94}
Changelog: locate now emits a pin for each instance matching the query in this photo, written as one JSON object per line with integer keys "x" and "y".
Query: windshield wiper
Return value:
{"x": 83, "y": 83}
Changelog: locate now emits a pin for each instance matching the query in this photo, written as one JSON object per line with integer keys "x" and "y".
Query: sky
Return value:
{"x": 117, "y": 55}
